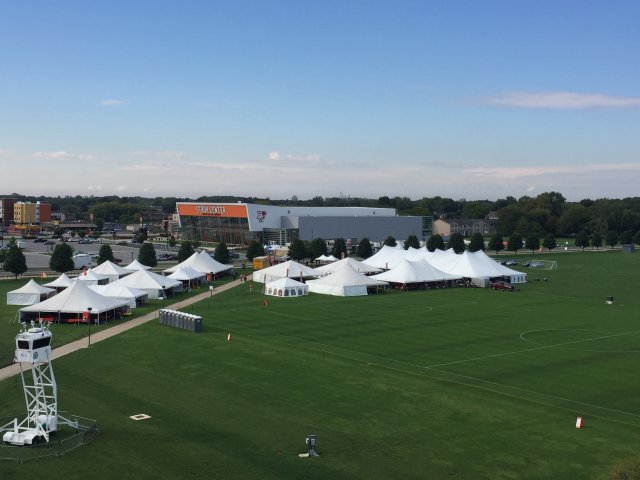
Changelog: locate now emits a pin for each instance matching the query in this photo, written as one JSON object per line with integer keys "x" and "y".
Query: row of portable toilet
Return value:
{"x": 186, "y": 321}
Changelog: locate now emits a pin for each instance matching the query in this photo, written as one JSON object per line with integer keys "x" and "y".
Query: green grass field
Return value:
{"x": 457, "y": 383}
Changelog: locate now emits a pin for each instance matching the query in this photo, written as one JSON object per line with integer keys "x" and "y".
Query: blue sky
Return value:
{"x": 460, "y": 99}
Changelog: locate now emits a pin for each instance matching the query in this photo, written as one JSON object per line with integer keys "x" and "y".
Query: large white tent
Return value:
{"x": 356, "y": 265}
{"x": 344, "y": 282}
{"x": 112, "y": 270}
{"x": 387, "y": 257}
{"x": 74, "y": 300}
{"x": 29, "y": 294}
{"x": 132, "y": 295}
{"x": 415, "y": 272}
{"x": 291, "y": 269}
{"x": 475, "y": 265}
{"x": 155, "y": 285}
{"x": 60, "y": 283}
{"x": 286, "y": 287}
{"x": 202, "y": 262}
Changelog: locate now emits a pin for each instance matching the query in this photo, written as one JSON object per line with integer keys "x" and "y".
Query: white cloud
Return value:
{"x": 274, "y": 156}
{"x": 94, "y": 187}
{"x": 64, "y": 156}
{"x": 121, "y": 188}
{"x": 511, "y": 173}
{"x": 111, "y": 102}
{"x": 561, "y": 100}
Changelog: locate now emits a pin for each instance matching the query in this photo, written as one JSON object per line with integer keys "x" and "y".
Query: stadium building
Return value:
{"x": 239, "y": 223}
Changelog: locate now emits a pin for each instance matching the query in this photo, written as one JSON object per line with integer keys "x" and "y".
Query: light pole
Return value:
{"x": 89, "y": 323}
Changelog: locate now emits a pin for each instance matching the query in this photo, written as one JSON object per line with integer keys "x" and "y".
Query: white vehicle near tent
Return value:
{"x": 29, "y": 294}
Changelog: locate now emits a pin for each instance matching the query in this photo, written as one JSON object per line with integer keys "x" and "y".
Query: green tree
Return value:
{"x": 549, "y": 242}
{"x": 496, "y": 243}
{"x": 411, "y": 241}
{"x": 255, "y": 249}
{"x": 147, "y": 255}
{"x": 476, "y": 242}
{"x": 61, "y": 259}
{"x": 221, "y": 253}
{"x": 172, "y": 241}
{"x": 14, "y": 260}
{"x": 532, "y": 242}
{"x": 626, "y": 237}
{"x": 612, "y": 238}
{"x": 515, "y": 242}
{"x": 298, "y": 250}
{"x": 186, "y": 250}
{"x": 435, "y": 242}
{"x": 582, "y": 239}
{"x": 339, "y": 249}
{"x": 105, "y": 254}
{"x": 456, "y": 242}
{"x": 636, "y": 238}
{"x": 317, "y": 248}
{"x": 364, "y": 250}
{"x": 596, "y": 240}
{"x": 390, "y": 241}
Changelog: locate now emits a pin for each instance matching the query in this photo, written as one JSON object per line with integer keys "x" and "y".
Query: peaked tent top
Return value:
{"x": 110, "y": 268}
{"x": 356, "y": 265}
{"x": 136, "y": 265}
{"x": 290, "y": 269}
{"x": 202, "y": 262}
{"x": 32, "y": 287}
{"x": 61, "y": 282}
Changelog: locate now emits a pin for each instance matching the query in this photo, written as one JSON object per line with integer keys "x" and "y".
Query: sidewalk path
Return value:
{"x": 14, "y": 369}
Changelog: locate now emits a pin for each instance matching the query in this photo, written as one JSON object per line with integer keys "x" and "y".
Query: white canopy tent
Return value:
{"x": 356, "y": 265}
{"x": 111, "y": 270}
{"x": 60, "y": 283}
{"x": 291, "y": 269}
{"x": 136, "y": 265}
{"x": 344, "y": 282}
{"x": 90, "y": 277}
{"x": 475, "y": 265}
{"x": 155, "y": 285}
{"x": 72, "y": 302}
{"x": 202, "y": 262}
{"x": 415, "y": 272}
{"x": 29, "y": 294}
{"x": 326, "y": 258}
{"x": 134, "y": 296}
{"x": 286, "y": 287}
{"x": 187, "y": 275}
{"x": 387, "y": 257}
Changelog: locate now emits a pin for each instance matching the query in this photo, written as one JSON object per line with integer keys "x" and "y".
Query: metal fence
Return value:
{"x": 66, "y": 439}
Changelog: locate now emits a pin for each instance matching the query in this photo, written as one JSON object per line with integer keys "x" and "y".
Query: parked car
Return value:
{"x": 511, "y": 262}
{"x": 536, "y": 264}
{"x": 502, "y": 285}
{"x": 40, "y": 240}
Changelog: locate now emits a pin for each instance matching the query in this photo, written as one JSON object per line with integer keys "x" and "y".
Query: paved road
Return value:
{"x": 14, "y": 369}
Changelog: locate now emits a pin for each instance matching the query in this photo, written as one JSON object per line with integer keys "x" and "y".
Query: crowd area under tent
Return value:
{"x": 29, "y": 294}
{"x": 286, "y": 287}
{"x": 70, "y": 305}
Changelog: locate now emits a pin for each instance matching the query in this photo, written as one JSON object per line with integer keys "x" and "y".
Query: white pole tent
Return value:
{"x": 387, "y": 257}
{"x": 344, "y": 282}
{"x": 202, "y": 262}
{"x": 72, "y": 302}
{"x": 418, "y": 272}
{"x": 92, "y": 278}
{"x": 112, "y": 270}
{"x": 291, "y": 269}
{"x": 60, "y": 283}
{"x": 29, "y": 294}
{"x": 155, "y": 285}
{"x": 134, "y": 296}
{"x": 356, "y": 265}
{"x": 136, "y": 265}
{"x": 188, "y": 276}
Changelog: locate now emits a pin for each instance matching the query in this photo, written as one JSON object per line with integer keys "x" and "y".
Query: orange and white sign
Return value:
{"x": 212, "y": 210}
{"x": 579, "y": 422}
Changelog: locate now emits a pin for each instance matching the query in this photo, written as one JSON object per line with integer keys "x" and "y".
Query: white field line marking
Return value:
{"x": 433, "y": 369}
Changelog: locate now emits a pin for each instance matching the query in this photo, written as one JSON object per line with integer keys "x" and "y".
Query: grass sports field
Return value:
{"x": 457, "y": 383}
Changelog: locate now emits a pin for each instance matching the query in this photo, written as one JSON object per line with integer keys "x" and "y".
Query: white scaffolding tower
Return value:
{"x": 33, "y": 347}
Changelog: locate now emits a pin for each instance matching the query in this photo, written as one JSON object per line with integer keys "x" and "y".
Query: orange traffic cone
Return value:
{"x": 579, "y": 422}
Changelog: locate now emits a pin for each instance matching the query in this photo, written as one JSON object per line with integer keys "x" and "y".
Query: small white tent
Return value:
{"x": 286, "y": 287}
{"x": 29, "y": 294}
{"x": 59, "y": 283}
{"x": 132, "y": 295}
{"x": 291, "y": 269}
{"x": 136, "y": 265}
{"x": 187, "y": 275}
{"x": 344, "y": 282}
{"x": 112, "y": 270}
{"x": 90, "y": 277}
{"x": 326, "y": 258}
{"x": 202, "y": 262}
{"x": 155, "y": 285}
